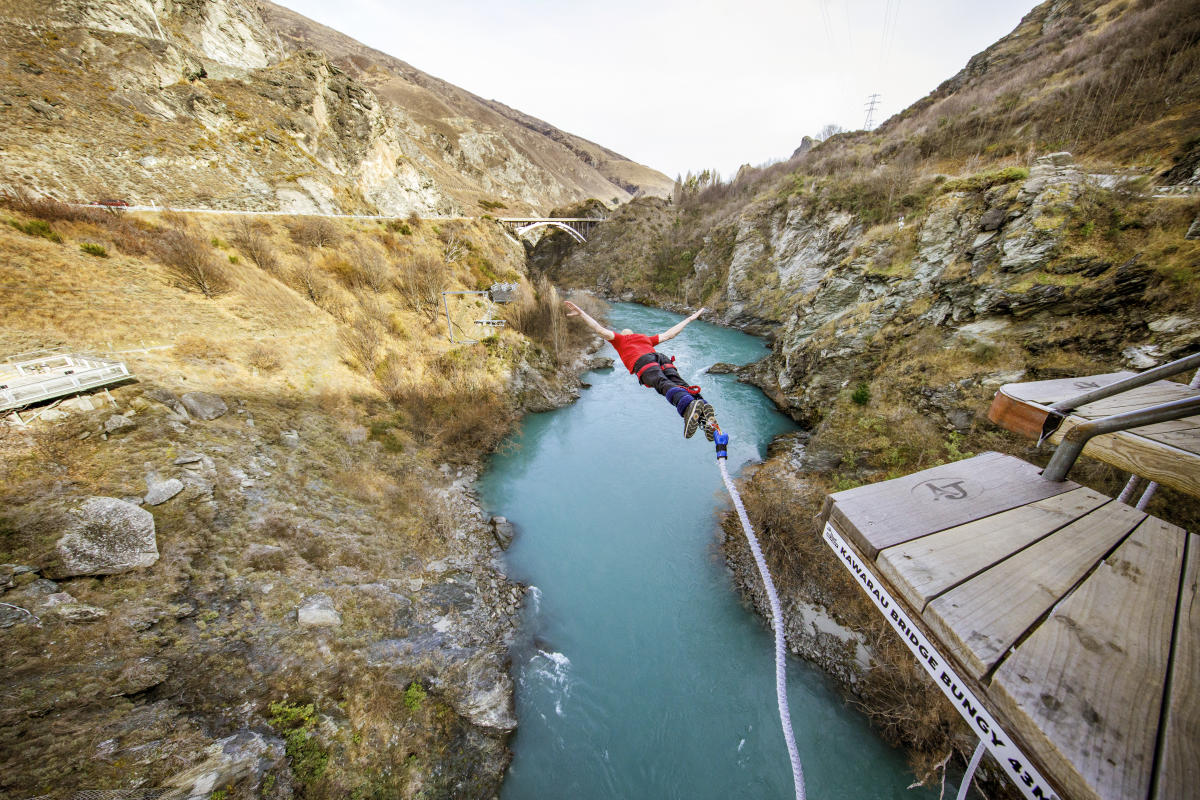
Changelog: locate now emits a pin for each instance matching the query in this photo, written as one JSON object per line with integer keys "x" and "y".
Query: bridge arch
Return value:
{"x": 574, "y": 234}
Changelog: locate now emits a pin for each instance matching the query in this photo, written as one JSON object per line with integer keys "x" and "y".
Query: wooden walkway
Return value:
{"x": 1167, "y": 452}
{"x": 37, "y": 379}
{"x": 1063, "y": 625}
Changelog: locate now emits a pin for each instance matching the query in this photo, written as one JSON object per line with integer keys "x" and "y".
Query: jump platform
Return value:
{"x": 1063, "y": 625}
{"x": 38, "y": 378}
{"x": 1166, "y": 452}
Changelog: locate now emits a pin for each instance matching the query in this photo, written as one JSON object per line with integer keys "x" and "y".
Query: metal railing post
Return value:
{"x": 1075, "y": 439}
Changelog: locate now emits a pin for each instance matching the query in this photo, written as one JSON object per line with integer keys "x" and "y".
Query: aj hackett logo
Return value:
{"x": 1018, "y": 767}
{"x": 945, "y": 489}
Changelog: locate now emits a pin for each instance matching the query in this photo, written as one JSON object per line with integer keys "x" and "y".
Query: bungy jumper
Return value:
{"x": 658, "y": 372}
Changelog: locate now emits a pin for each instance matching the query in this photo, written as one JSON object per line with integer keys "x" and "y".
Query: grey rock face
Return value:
{"x": 162, "y": 491}
{"x": 317, "y": 611}
{"x": 45, "y": 109}
{"x": 141, "y": 675}
{"x": 104, "y": 536}
{"x": 204, "y": 405}
{"x": 243, "y": 757}
{"x": 1193, "y": 232}
{"x": 11, "y": 614}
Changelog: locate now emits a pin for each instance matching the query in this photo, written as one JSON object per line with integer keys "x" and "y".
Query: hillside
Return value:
{"x": 241, "y": 105}
{"x": 1029, "y": 219}
{"x": 324, "y": 612}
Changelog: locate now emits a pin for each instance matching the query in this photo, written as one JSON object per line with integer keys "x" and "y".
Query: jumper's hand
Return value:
{"x": 572, "y": 309}
{"x": 696, "y": 315}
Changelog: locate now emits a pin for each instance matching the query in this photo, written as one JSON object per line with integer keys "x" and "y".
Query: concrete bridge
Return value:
{"x": 578, "y": 228}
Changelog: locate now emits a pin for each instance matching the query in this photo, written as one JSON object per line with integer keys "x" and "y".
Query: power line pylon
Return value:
{"x": 872, "y": 102}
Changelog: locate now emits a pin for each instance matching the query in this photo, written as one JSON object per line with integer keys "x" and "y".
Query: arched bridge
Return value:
{"x": 578, "y": 228}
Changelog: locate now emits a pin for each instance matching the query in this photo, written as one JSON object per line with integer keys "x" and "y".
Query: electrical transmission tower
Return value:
{"x": 872, "y": 102}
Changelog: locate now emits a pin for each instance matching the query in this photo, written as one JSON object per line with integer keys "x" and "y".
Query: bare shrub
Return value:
{"x": 192, "y": 263}
{"x": 248, "y": 237}
{"x": 199, "y": 349}
{"x": 314, "y": 232}
{"x": 362, "y": 342}
{"x": 359, "y": 267}
{"x": 455, "y": 248}
{"x": 308, "y": 280}
{"x": 373, "y": 271}
{"x": 420, "y": 282}
{"x": 541, "y": 317}
{"x": 264, "y": 357}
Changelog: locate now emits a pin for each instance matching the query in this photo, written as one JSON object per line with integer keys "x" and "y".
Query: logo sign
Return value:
{"x": 1019, "y": 768}
{"x": 947, "y": 489}
{"x": 1086, "y": 385}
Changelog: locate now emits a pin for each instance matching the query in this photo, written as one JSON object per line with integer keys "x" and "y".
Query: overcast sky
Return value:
{"x": 684, "y": 84}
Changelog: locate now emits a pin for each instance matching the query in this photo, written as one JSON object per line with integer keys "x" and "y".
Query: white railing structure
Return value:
{"x": 50, "y": 375}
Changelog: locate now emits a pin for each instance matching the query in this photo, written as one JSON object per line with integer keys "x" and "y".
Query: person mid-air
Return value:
{"x": 657, "y": 371}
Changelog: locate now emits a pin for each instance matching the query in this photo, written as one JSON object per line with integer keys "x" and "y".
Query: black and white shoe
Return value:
{"x": 692, "y": 417}
{"x": 708, "y": 421}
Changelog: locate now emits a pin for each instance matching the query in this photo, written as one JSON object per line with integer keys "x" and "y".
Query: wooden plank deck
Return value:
{"x": 1167, "y": 452}
{"x": 1069, "y": 618}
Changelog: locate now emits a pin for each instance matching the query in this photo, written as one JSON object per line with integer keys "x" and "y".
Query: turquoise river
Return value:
{"x": 640, "y": 674}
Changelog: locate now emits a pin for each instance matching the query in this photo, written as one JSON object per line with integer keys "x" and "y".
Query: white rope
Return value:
{"x": 969, "y": 776}
{"x": 777, "y": 619}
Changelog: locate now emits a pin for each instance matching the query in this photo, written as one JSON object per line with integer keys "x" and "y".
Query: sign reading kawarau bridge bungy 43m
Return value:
{"x": 998, "y": 743}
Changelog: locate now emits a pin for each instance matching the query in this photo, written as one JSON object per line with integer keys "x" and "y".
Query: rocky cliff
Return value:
{"x": 246, "y": 105}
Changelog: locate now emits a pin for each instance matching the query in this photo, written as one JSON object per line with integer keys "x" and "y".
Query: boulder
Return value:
{"x": 992, "y": 219}
{"x": 504, "y": 532}
{"x": 204, "y": 405}
{"x": 79, "y": 612}
{"x": 1193, "y": 232}
{"x": 290, "y": 438}
{"x": 599, "y": 363}
{"x": 103, "y": 536}
{"x": 83, "y": 402}
{"x": 161, "y": 491}
{"x": 722, "y": 368}
{"x": 317, "y": 611}
{"x": 117, "y": 422}
{"x": 161, "y": 395}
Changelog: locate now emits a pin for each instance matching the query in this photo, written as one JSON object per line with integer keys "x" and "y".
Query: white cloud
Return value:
{"x": 684, "y": 85}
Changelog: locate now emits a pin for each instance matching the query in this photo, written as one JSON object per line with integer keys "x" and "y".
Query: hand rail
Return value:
{"x": 1056, "y": 415}
{"x": 1073, "y": 443}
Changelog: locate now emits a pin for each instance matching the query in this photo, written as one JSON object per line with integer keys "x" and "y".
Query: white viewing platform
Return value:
{"x": 34, "y": 378}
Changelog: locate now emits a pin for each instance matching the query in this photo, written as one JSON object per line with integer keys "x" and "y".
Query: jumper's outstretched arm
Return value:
{"x": 673, "y": 331}
{"x": 575, "y": 311}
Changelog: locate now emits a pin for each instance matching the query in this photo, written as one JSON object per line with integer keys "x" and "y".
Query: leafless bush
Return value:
{"x": 314, "y": 232}
{"x": 373, "y": 271}
{"x": 307, "y": 279}
{"x": 264, "y": 357}
{"x": 420, "y": 282}
{"x": 192, "y": 263}
{"x": 455, "y": 248}
{"x": 361, "y": 344}
{"x": 248, "y": 238}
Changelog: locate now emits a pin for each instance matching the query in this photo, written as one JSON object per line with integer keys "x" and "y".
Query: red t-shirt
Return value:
{"x": 633, "y": 346}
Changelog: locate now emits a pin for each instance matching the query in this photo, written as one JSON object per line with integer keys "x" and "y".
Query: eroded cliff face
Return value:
{"x": 236, "y": 104}
{"x": 986, "y": 268}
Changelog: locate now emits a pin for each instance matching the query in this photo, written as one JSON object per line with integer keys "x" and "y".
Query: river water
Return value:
{"x": 640, "y": 674}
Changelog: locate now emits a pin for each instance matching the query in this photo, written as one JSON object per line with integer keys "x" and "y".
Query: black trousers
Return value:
{"x": 662, "y": 376}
